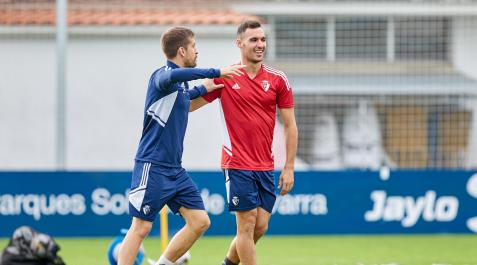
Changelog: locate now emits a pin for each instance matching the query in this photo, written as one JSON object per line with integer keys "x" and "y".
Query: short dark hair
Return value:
{"x": 174, "y": 38}
{"x": 247, "y": 24}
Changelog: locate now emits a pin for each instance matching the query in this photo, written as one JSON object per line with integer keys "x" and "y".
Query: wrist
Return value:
{"x": 202, "y": 90}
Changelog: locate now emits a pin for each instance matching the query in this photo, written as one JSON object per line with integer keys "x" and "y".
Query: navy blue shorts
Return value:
{"x": 247, "y": 190}
{"x": 154, "y": 186}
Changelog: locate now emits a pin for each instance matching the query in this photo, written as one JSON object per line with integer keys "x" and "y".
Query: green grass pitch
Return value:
{"x": 303, "y": 250}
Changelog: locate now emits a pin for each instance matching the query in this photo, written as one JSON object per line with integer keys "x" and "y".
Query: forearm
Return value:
{"x": 291, "y": 144}
{"x": 164, "y": 80}
{"x": 197, "y": 103}
{"x": 197, "y": 91}
{"x": 189, "y": 74}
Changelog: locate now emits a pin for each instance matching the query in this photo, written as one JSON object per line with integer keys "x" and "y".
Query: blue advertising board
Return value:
{"x": 346, "y": 202}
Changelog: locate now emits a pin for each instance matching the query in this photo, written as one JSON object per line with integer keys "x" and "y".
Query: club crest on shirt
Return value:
{"x": 235, "y": 200}
{"x": 265, "y": 85}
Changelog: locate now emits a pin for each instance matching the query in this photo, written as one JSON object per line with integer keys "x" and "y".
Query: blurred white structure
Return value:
{"x": 417, "y": 60}
{"x": 325, "y": 149}
{"x": 362, "y": 145}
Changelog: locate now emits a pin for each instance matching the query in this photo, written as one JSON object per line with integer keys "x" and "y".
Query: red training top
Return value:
{"x": 248, "y": 110}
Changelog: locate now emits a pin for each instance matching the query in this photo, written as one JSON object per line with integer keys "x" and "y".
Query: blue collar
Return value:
{"x": 171, "y": 64}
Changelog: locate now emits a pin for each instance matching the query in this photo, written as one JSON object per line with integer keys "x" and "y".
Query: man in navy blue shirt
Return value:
{"x": 158, "y": 176}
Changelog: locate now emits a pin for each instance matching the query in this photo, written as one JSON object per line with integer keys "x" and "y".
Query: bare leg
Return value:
{"x": 244, "y": 242}
{"x": 197, "y": 222}
{"x": 261, "y": 226}
{"x": 129, "y": 247}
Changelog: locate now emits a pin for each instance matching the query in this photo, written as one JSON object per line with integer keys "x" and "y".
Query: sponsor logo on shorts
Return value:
{"x": 235, "y": 200}
{"x": 146, "y": 209}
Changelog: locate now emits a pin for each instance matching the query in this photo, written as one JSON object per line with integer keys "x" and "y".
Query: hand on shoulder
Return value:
{"x": 231, "y": 70}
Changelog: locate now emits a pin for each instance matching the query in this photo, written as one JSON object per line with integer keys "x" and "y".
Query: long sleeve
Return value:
{"x": 197, "y": 91}
{"x": 164, "y": 80}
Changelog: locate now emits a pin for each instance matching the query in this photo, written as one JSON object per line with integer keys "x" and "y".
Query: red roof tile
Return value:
{"x": 129, "y": 16}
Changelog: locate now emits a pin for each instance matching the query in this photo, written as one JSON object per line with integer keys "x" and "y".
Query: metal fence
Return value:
{"x": 371, "y": 90}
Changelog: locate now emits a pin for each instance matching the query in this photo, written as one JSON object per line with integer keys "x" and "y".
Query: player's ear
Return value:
{"x": 238, "y": 42}
{"x": 181, "y": 51}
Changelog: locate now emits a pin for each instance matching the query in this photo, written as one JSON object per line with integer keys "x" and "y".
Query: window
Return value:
{"x": 422, "y": 38}
{"x": 361, "y": 38}
{"x": 300, "y": 38}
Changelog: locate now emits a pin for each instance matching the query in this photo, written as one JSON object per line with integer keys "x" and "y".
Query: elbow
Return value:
{"x": 295, "y": 133}
{"x": 291, "y": 129}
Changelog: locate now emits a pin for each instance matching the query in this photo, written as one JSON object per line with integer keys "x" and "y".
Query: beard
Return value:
{"x": 252, "y": 58}
{"x": 191, "y": 63}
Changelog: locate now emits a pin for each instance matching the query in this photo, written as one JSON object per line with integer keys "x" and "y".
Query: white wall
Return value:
{"x": 464, "y": 54}
{"x": 106, "y": 81}
{"x": 27, "y": 106}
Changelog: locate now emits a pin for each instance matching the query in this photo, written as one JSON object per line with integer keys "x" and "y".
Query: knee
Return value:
{"x": 260, "y": 230}
{"x": 141, "y": 228}
{"x": 201, "y": 224}
{"x": 247, "y": 225}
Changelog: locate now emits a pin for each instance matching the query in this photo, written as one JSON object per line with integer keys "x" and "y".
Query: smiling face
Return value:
{"x": 252, "y": 44}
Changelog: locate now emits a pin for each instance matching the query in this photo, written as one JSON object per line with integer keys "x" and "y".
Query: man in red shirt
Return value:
{"x": 248, "y": 108}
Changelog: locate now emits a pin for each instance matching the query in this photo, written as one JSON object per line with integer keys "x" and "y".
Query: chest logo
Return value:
{"x": 265, "y": 85}
{"x": 236, "y": 86}
{"x": 184, "y": 89}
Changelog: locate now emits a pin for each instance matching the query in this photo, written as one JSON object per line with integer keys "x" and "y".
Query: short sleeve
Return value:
{"x": 211, "y": 96}
{"x": 284, "y": 93}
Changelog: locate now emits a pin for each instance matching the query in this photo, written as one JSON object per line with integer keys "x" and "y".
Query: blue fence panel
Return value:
{"x": 95, "y": 203}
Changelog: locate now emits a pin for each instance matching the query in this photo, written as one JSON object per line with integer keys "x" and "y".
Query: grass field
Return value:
{"x": 303, "y": 250}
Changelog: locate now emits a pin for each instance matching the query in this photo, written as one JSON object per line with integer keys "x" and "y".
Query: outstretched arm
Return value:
{"x": 287, "y": 178}
{"x": 177, "y": 75}
{"x": 197, "y": 103}
{"x": 199, "y": 91}
{"x": 188, "y": 74}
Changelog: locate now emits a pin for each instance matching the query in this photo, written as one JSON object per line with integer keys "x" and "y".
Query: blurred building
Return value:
{"x": 376, "y": 83}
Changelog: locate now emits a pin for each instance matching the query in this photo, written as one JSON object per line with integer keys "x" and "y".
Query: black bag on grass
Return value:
{"x": 29, "y": 247}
